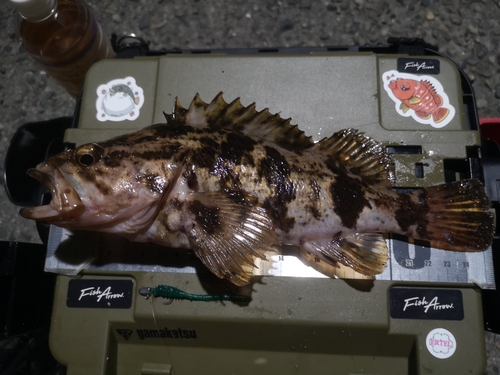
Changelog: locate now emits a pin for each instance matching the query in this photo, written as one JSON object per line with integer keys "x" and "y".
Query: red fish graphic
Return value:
{"x": 420, "y": 96}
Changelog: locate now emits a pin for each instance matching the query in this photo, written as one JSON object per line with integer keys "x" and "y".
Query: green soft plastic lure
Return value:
{"x": 172, "y": 293}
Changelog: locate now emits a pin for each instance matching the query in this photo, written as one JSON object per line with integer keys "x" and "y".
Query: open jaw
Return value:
{"x": 65, "y": 205}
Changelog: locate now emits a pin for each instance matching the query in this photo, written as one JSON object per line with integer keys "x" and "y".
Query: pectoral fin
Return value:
{"x": 228, "y": 233}
{"x": 414, "y": 100}
{"x": 365, "y": 253}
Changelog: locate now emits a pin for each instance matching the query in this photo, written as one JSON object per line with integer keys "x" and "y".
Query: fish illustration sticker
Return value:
{"x": 119, "y": 99}
{"x": 421, "y": 97}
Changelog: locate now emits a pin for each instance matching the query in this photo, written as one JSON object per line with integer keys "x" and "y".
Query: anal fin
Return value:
{"x": 423, "y": 115}
{"x": 364, "y": 253}
{"x": 228, "y": 233}
{"x": 327, "y": 268}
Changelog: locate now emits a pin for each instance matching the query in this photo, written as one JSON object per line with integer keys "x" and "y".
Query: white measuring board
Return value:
{"x": 408, "y": 261}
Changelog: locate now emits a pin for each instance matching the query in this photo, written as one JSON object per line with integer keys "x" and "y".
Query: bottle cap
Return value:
{"x": 34, "y": 10}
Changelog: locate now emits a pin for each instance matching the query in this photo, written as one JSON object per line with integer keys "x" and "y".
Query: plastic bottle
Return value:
{"x": 63, "y": 37}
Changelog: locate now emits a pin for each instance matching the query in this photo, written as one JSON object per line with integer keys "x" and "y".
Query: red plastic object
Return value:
{"x": 490, "y": 128}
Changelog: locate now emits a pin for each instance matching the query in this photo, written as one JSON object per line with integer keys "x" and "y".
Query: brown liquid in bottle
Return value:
{"x": 66, "y": 44}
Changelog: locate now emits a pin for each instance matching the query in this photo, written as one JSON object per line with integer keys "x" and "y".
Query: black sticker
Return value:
{"x": 418, "y": 66}
{"x": 98, "y": 293}
{"x": 439, "y": 304}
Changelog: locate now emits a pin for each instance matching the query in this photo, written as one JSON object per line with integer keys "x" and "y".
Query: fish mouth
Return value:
{"x": 65, "y": 205}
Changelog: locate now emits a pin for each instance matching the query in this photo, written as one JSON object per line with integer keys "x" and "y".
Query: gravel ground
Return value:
{"x": 468, "y": 32}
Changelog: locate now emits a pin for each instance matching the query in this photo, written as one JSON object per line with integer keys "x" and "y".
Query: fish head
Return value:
{"x": 100, "y": 188}
{"x": 403, "y": 88}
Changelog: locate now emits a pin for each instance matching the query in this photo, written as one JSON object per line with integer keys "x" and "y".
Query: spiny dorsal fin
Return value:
{"x": 429, "y": 87}
{"x": 218, "y": 114}
{"x": 360, "y": 154}
{"x": 432, "y": 90}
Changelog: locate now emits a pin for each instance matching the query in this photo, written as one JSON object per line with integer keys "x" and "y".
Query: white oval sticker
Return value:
{"x": 118, "y": 100}
{"x": 441, "y": 343}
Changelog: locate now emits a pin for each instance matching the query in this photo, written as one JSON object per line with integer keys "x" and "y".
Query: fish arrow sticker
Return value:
{"x": 420, "y": 97}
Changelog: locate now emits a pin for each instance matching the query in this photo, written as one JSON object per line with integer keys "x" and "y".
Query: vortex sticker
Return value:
{"x": 119, "y": 99}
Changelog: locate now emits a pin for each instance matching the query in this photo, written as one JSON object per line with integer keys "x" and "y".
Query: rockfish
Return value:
{"x": 232, "y": 183}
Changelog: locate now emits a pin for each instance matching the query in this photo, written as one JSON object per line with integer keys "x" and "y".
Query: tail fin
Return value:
{"x": 440, "y": 114}
{"x": 458, "y": 216}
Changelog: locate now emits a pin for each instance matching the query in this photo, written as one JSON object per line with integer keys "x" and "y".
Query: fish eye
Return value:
{"x": 87, "y": 155}
{"x": 404, "y": 88}
{"x": 86, "y": 159}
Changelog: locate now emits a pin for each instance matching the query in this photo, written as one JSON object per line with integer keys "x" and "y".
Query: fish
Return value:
{"x": 421, "y": 97}
{"x": 231, "y": 184}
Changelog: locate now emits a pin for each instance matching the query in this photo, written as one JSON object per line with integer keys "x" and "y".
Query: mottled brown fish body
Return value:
{"x": 232, "y": 183}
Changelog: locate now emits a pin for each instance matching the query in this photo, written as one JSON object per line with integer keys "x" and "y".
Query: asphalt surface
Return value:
{"x": 468, "y": 32}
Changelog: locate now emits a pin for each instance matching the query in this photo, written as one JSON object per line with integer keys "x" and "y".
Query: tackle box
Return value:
{"x": 422, "y": 315}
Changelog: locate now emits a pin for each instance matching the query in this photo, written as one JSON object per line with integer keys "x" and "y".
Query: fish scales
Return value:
{"x": 232, "y": 183}
{"x": 281, "y": 180}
